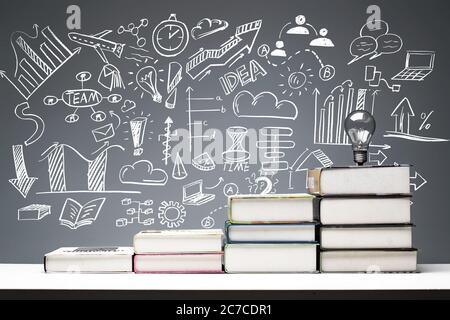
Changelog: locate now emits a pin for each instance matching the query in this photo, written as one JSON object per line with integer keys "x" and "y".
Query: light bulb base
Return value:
{"x": 360, "y": 157}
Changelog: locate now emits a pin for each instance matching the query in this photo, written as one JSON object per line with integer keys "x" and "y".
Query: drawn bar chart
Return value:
{"x": 331, "y": 115}
{"x": 37, "y": 58}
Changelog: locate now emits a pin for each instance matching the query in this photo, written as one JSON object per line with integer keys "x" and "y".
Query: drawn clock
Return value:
{"x": 170, "y": 37}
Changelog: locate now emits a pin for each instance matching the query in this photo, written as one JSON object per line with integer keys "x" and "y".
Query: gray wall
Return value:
{"x": 421, "y": 25}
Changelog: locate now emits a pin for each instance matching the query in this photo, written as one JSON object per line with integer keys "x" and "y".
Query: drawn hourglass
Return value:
{"x": 236, "y": 152}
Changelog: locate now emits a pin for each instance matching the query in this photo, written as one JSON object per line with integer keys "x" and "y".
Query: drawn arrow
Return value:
{"x": 316, "y": 94}
{"x": 23, "y": 182}
{"x": 167, "y": 137}
{"x": 374, "y": 94}
{"x": 402, "y": 111}
{"x": 207, "y": 73}
{"x": 378, "y": 157}
{"x": 77, "y": 50}
{"x": 382, "y": 146}
{"x": 3, "y": 75}
{"x": 218, "y": 184}
{"x": 419, "y": 181}
{"x": 38, "y": 122}
{"x": 113, "y": 114}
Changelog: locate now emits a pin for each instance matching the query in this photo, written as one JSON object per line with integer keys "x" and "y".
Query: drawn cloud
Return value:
{"x": 264, "y": 105}
{"x": 206, "y": 27}
{"x": 142, "y": 173}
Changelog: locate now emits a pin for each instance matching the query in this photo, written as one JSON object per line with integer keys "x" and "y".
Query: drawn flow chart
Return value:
{"x": 82, "y": 98}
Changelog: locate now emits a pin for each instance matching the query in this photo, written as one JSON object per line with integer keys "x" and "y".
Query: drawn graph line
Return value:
{"x": 21, "y": 112}
{"x": 22, "y": 182}
{"x": 96, "y": 173}
{"x": 31, "y": 69}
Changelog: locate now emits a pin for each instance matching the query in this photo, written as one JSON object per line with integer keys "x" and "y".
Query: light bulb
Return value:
{"x": 147, "y": 79}
{"x": 360, "y": 126}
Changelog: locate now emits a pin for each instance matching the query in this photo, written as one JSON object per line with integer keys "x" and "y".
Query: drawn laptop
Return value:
{"x": 193, "y": 194}
{"x": 418, "y": 65}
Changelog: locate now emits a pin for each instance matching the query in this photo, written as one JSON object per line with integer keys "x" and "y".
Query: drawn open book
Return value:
{"x": 75, "y": 215}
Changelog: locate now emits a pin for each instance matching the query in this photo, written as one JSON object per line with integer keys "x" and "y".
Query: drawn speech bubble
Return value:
{"x": 388, "y": 44}
{"x": 361, "y": 47}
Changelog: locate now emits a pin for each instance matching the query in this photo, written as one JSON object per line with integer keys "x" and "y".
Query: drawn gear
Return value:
{"x": 171, "y": 213}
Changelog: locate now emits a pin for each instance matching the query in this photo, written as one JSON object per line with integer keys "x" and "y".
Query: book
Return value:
{"x": 365, "y": 210}
{"x": 89, "y": 259}
{"x": 383, "y": 260}
{"x": 270, "y": 257}
{"x": 366, "y": 236}
{"x": 377, "y": 180}
{"x": 305, "y": 232}
{"x": 178, "y": 241}
{"x": 272, "y": 208}
{"x": 178, "y": 263}
{"x": 75, "y": 215}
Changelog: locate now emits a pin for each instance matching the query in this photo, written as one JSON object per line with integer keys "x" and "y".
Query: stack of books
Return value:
{"x": 178, "y": 251}
{"x": 365, "y": 219}
{"x": 271, "y": 233}
{"x": 155, "y": 251}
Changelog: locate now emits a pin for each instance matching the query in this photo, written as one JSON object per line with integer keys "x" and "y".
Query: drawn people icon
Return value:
{"x": 279, "y": 51}
{"x": 322, "y": 41}
{"x": 299, "y": 28}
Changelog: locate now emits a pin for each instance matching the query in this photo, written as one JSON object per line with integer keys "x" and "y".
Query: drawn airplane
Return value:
{"x": 97, "y": 42}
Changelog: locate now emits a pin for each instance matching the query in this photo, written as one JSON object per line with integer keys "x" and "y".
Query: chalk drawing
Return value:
{"x": 140, "y": 212}
{"x": 201, "y": 63}
{"x": 37, "y": 57}
{"x": 21, "y": 112}
{"x": 22, "y": 182}
{"x": 171, "y": 214}
{"x": 33, "y": 212}
{"x": 82, "y": 99}
{"x": 206, "y": 27}
{"x": 75, "y": 215}
{"x": 170, "y": 37}
{"x": 193, "y": 194}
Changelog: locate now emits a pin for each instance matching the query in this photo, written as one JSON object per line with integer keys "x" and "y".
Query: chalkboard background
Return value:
{"x": 420, "y": 25}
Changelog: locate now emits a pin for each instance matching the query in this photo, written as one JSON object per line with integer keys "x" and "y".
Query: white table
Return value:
{"x": 31, "y": 278}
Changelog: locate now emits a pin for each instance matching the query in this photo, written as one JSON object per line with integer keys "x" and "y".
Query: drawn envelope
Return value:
{"x": 103, "y": 133}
